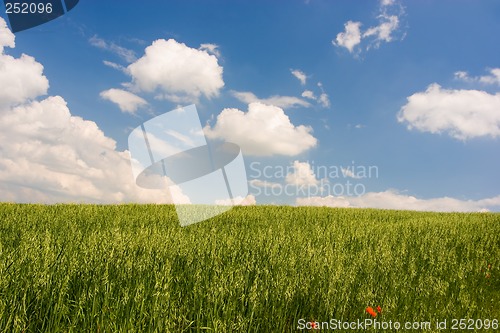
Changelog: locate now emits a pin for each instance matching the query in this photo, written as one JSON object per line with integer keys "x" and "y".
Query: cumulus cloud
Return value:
{"x": 350, "y": 37}
{"x": 7, "y": 38}
{"x": 47, "y": 155}
{"x": 126, "y": 101}
{"x": 392, "y": 199}
{"x": 300, "y": 75}
{"x": 388, "y": 24}
{"x": 124, "y": 53}
{"x": 264, "y": 130}
{"x": 21, "y": 78}
{"x": 279, "y": 101}
{"x": 302, "y": 175}
{"x": 176, "y": 72}
{"x": 493, "y": 78}
{"x": 462, "y": 114}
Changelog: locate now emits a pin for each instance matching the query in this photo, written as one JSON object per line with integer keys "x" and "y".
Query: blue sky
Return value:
{"x": 372, "y": 70}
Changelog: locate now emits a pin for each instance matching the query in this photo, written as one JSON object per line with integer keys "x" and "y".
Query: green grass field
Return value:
{"x": 91, "y": 268}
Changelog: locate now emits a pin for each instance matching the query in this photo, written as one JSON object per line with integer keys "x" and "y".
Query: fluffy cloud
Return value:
{"x": 493, "y": 78}
{"x": 301, "y": 76}
{"x": 394, "y": 200}
{"x": 350, "y": 37}
{"x": 302, "y": 175}
{"x": 126, "y": 101}
{"x": 264, "y": 130}
{"x": 388, "y": 24}
{"x": 463, "y": 114}
{"x": 177, "y": 72}
{"x": 6, "y": 36}
{"x": 48, "y": 155}
{"x": 125, "y": 54}
{"x": 279, "y": 101}
{"x": 21, "y": 78}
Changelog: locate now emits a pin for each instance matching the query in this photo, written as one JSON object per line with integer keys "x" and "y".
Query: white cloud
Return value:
{"x": 302, "y": 175}
{"x": 383, "y": 32}
{"x": 211, "y": 49}
{"x": 463, "y": 114}
{"x": 177, "y": 72}
{"x": 301, "y": 76}
{"x": 462, "y": 75}
{"x": 493, "y": 78}
{"x": 124, "y": 53}
{"x": 47, "y": 155}
{"x": 389, "y": 23}
{"x": 308, "y": 94}
{"x": 21, "y": 78}
{"x": 7, "y": 38}
{"x": 279, "y": 101}
{"x": 392, "y": 199}
{"x": 264, "y": 130}
{"x": 324, "y": 100}
{"x": 126, "y": 101}
{"x": 350, "y": 37}
{"x": 115, "y": 66}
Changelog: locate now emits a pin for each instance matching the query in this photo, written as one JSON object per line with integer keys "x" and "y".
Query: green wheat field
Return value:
{"x": 132, "y": 268}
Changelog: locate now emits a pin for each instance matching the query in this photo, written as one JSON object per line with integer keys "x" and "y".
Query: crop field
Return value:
{"x": 128, "y": 268}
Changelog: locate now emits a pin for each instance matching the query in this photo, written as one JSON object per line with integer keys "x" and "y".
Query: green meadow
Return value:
{"x": 132, "y": 268}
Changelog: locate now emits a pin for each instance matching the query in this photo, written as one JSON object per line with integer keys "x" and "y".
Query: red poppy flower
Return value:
{"x": 379, "y": 309}
{"x": 371, "y": 312}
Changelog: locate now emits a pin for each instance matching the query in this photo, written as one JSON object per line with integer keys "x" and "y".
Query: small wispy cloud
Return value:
{"x": 492, "y": 79}
{"x": 300, "y": 75}
{"x": 276, "y": 100}
{"x": 211, "y": 49}
{"x": 124, "y": 53}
